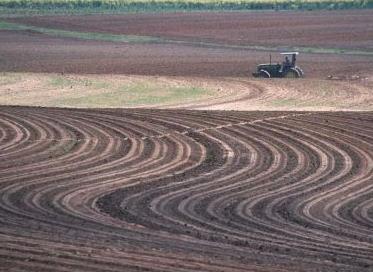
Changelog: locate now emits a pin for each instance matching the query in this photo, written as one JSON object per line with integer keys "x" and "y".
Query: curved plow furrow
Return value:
{"x": 167, "y": 190}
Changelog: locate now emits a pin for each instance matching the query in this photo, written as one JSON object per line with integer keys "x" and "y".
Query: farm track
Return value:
{"x": 166, "y": 190}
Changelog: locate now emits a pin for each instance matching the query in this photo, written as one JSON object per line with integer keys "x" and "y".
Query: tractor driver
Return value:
{"x": 285, "y": 65}
{"x": 293, "y": 59}
{"x": 286, "y": 62}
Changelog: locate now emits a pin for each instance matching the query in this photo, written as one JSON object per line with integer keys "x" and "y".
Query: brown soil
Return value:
{"x": 182, "y": 190}
{"x": 340, "y": 29}
{"x": 28, "y": 51}
{"x": 166, "y": 190}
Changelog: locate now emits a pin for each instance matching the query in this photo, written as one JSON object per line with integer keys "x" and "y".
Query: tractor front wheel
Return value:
{"x": 300, "y": 71}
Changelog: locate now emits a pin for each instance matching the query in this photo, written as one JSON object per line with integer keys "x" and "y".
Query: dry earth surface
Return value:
{"x": 35, "y": 52}
{"x": 336, "y": 29}
{"x": 118, "y": 91}
{"x": 174, "y": 190}
{"x": 185, "y": 190}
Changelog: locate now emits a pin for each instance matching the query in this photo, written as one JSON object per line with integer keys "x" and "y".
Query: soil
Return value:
{"x": 176, "y": 190}
{"x": 336, "y": 29}
{"x": 33, "y": 52}
{"x": 129, "y": 91}
{"x": 187, "y": 190}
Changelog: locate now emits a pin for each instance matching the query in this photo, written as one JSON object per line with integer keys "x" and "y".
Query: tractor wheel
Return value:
{"x": 292, "y": 73}
{"x": 299, "y": 70}
{"x": 264, "y": 74}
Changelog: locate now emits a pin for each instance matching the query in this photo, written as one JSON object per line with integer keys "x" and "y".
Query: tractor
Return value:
{"x": 287, "y": 69}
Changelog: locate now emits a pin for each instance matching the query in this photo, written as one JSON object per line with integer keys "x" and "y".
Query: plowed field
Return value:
{"x": 341, "y": 29}
{"x": 204, "y": 44}
{"x": 174, "y": 190}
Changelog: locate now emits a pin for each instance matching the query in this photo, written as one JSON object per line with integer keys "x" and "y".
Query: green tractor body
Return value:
{"x": 286, "y": 69}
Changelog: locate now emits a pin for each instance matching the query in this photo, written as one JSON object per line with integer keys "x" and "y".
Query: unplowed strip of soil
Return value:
{"x": 175, "y": 190}
{"x": 128, "y": 91}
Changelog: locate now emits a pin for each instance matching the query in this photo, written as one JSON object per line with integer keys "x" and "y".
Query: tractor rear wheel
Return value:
{"x": 264, "y": 74}
{"x": 292, "y": 73}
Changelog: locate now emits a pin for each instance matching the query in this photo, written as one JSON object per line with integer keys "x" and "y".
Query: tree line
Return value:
{"x": 154, "y": 5}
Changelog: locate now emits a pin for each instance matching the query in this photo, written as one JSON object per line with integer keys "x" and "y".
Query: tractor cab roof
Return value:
{"x": 289, "y": 53}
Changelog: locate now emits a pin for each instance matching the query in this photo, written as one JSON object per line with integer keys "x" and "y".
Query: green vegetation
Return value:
{"x": 86, "y": 91}
{"x": 285, "y": 102}
{"x": 6, "y": 79}
{"x": 89, "y": 6}
{"x": 64, "y": 149}
{"x": 135, "y": 94}
{"x": 62, "y": 82}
